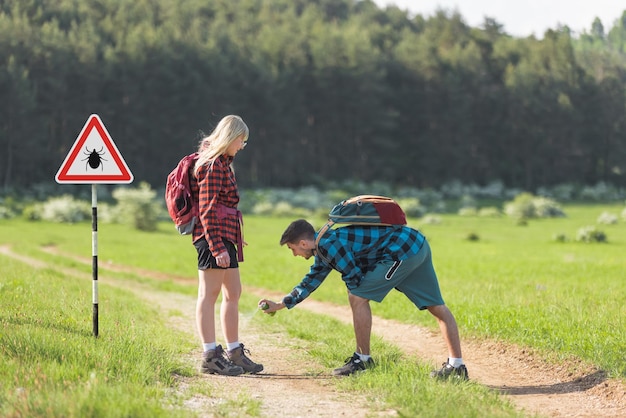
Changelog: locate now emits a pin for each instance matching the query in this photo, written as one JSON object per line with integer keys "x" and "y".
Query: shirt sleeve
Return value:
{"x": 316, "y": 276}
{"x": 209, "y": 190}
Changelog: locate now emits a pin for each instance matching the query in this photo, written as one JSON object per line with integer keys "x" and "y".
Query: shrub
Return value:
{"x": 521, "y": 207}
{"x": 431, "y": 219}
{"x": 527, "y": 206}
{"x": 601, "y": 192}
{"x": 412, "y": 207}
{"x": 607, "y": 218}
{"x": 562, "y": 192}
{"x": 590, "y": 234}
{"x": 547, "y": 208}
{"x": 6, "y": 213}
{"x": 467, "y": 212}
{"x": 138, "y": 207}
{"x": 33, "y": 212}
{"x": 64, "y": 209}
{"x": 9, "y": 207}
{"x": 286, "y": 209}
{"x": 493, "y": 190}
{"x": 468, "y": 201}
{"x": 109, "y": 214}
{"x": 489, "y": 212}
{"x": 263, "y": 208}
{"x": 472, "y": 236}
{"x": 560, "y": 237}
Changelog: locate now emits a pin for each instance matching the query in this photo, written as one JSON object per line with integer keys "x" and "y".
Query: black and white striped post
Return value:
{"x": 94, "y": 256}
{"x": 94, "y": 159}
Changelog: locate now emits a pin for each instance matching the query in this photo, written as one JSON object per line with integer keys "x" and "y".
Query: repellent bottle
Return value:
{"x": 266, "y": 306}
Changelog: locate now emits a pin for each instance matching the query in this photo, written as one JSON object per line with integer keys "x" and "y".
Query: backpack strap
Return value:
{"x": 320, "y": 234}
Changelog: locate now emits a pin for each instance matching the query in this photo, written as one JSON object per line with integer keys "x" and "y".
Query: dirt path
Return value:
{"x": 571, "y": 389}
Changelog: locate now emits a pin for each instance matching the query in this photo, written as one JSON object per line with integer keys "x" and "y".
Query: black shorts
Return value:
{"x": 206, "y": 259}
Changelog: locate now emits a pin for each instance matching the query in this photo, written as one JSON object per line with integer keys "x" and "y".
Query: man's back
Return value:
{"x": 365, "y": 245}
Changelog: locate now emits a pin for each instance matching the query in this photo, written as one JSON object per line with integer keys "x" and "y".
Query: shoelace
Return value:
{"x": 245, "y": 358}
{"x": 220, "y": 356}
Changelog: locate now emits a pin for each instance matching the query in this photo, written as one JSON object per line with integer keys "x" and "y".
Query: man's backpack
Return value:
{"x": 369, "y": 210}
{"x": 181, "y": 205}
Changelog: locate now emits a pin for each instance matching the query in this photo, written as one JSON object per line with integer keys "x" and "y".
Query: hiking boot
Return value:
{"x": 448, "y": 371}
{"x": 353, "y": 364}
{"x": 238, "y": 357}
{"x": 214, "y": 362}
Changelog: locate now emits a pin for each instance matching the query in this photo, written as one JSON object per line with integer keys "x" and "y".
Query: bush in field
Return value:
{"x": 467, "y": 212}
{"x": 601, "y": 192}
{"x": 521, "y": 207}
{"x": 590, "y": 234}
{"x": 431, "y": 220}
{"x": 527, "y": 206}
{"x": 412, "y": 207}
{"x": 138, "y": 207}
{"x": 6, "y": 213}
{"x": 287, "y": 210}
{"x": 560, "y": 237}
{"x": 472, "y": 236}
{"x": 547, "y": 208}
{"x": 468, "y": 201}
{"x": 607, "y": 218}
{"x": 489, "y": 212}
{"x": 33, "y": 212}
{"x": 455, "y": 190}
{"x": 263, "y": 208}
{"x": 64, "y": 209}
{"x": 109, "y": 214}
{"x": 9, "y": 207}
{"x": 561, "y": 192}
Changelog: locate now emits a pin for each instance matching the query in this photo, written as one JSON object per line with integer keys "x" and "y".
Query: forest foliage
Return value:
{"x": 331, "y": 89}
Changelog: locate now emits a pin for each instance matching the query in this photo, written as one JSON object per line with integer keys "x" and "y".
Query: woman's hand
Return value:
{"x": 223, "y": 259}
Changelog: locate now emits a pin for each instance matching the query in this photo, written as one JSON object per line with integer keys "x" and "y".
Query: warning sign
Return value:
{"x": 94, "y": 158}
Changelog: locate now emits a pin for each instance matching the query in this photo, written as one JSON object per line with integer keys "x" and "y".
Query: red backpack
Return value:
{"x": 181, "y": 205}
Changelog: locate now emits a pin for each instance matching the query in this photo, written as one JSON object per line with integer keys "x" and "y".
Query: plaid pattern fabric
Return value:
{"x": 214, "y": 187}
{"x": 353, "y": 251}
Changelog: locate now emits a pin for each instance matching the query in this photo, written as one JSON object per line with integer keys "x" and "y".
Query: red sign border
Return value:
{"x": 94, "y": 122}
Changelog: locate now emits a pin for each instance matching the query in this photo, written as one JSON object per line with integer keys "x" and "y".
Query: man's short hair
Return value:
{"x": 296, "y": 231}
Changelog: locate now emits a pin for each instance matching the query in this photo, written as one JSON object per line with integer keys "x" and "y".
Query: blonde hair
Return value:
{"x": 211, "y": 147}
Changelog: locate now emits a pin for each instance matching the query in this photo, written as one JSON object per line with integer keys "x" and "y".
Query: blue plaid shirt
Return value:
{"x": 353, "y": 251}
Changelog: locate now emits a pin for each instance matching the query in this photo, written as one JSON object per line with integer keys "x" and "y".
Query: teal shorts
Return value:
{"x": 415, "y": 277}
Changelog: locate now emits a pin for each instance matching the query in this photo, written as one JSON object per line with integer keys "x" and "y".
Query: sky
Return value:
{"x": 523, "y": 18}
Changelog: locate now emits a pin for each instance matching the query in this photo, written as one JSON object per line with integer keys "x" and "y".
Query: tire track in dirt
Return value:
{"x": 571, "y": 389}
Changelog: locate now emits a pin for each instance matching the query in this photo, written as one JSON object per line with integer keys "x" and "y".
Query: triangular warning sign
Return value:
{"x": 94, "y": 158}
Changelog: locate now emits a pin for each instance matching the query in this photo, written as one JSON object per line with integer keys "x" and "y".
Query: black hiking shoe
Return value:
{"x": 238, "y": 357}
{"x": 214, "y": 362}
{"x": 448, "y": 371}
{"x": 353, "y": 364}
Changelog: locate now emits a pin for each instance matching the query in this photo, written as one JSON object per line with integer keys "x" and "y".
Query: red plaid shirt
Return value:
{"x": 216, "y": 187}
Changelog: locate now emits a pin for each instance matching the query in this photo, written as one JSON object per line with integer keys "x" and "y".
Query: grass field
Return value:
{"x": 514, "y": 283}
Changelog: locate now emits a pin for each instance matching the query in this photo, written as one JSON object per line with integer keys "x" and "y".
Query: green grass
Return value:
{"x": 51, "y": 364}
{"x": 515, "y": 284}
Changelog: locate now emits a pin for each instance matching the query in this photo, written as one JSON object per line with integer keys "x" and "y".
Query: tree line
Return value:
{"x": 331, "y": 89}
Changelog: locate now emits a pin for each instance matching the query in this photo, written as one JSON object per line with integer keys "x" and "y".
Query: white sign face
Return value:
{"x": 94, "y": 158}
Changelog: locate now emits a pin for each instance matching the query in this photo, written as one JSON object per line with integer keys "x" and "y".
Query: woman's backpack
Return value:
{"x": 181, "y": 205}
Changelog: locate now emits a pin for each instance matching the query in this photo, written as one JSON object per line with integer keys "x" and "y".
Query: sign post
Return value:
{"x": 94, "y": 159}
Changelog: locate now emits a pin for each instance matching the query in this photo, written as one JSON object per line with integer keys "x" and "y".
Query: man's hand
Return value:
{"x": 269, "y": 307}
